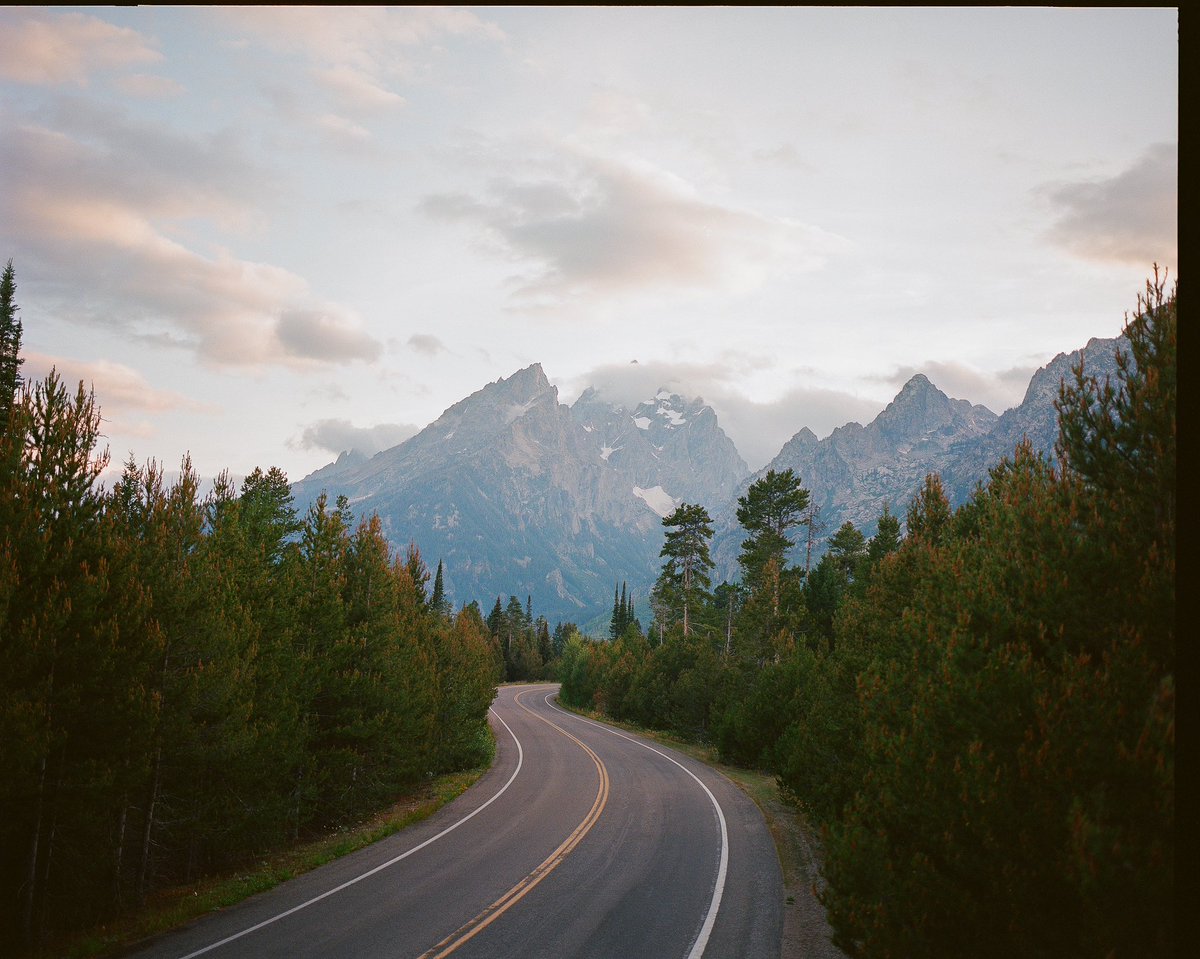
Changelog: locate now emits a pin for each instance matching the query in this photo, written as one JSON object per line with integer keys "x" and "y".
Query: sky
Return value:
{"x": 265, "y": 235}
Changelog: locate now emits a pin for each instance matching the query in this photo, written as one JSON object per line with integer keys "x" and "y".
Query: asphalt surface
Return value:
{"x": 580, "y": 841}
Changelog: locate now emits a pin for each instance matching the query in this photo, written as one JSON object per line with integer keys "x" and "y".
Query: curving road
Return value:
{"x": 580, "y": 841}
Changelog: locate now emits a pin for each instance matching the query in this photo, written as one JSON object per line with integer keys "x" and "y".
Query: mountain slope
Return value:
{"x": 518, "y": 494}
{"x": 853, "y": 471}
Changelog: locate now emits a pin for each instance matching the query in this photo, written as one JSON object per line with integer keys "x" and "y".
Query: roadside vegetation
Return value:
{"x": 974, "y": 708}
{"x": 977, "y": 709}
{"x": 189, "y": 683}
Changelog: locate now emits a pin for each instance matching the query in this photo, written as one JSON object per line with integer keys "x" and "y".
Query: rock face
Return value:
{"x": 668, "y": 443}
{"x": 518, "y": 494}
{"x": 854, "y": 470}
{"x": 1035, "y": 418}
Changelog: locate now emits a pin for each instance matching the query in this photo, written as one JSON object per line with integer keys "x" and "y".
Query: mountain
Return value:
{"x": 519, "y": 494}
{"x": 516, "y": 493}
{"x": 854, "y": 470}
{"x": 666, "y": 443}
{"x": 1034, "y": 418}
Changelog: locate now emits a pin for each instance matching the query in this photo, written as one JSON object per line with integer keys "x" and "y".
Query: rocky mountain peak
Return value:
{"x": 527, "y": 383}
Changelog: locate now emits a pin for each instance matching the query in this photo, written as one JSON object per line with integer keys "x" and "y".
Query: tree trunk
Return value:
{"x": 31, "y": 874}
{"x": 148, "y": 828}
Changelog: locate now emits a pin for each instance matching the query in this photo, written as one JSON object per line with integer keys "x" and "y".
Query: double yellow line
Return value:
{"x": 469, "y": 930}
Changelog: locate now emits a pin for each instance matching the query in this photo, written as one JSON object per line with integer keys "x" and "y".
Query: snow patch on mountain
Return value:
{"x": 642, "y": 422}
{"x": 516, "y": 410}
{"x": 657, "y": 498}
{"x": 674, "y": 417}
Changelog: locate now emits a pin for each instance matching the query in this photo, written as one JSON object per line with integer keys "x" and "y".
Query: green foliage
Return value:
{"x": 184, "y": 683}
{"x": 986, "y": 733}
{"x": 771, "y": 508}
{"x": 10, "y": 348}
{"x": 681, "y": 593}
{"x": 1010, "y": 727}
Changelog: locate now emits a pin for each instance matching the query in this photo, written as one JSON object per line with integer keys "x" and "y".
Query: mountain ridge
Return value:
{"x": 520, "y": 494}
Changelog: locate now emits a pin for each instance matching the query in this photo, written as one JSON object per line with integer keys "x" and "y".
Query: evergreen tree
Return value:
{"x": 847, "y": 547}
{"x": 622, "y": 614}
{"x": 10, "y": 348}
{"x": 771, "y": 508}
{"x": 683, "y": 586}
{"x": 886, "y": 539}
{"x": 929, "y": 512}
{"x": 438, "y": 601}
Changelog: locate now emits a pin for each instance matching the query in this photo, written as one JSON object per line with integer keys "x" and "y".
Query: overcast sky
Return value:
{"x": 268, "y": 234}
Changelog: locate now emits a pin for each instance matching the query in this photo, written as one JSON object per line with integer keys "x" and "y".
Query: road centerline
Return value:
{"x": 382, "y": 866}
{"x": 491, "y": 913}
{"x": 710, "y": 918}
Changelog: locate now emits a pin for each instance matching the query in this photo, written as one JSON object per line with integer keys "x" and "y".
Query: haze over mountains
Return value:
{"x": 519, "y": 494}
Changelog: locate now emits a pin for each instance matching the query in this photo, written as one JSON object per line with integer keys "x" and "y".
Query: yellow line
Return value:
{"x": 493, "y": 912}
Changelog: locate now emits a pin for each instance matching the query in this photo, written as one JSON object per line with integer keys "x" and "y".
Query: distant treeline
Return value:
{"x": 979, "y": 715}
{"x": 185, "y": 682}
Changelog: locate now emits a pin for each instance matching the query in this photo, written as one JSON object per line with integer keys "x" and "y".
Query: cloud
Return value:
{"x": 997, "y": 390}
{"x": 358, "y": 53}
{"x": 356, "y": 89}
{"x": 341, "y": 128}
{"x": 1128, "y": 218}
{"x": 427, "y": 344}
{"x": 336, "y": 436}
{"x": 758, "y": 429}
{"x": 40, "y": 47}
{"x": 122, "y": 394}
{"x": 784, "y": 155}
{"x": 603, "y": 226}
{"x": 148, "y": 86}
{"x": 108, "y": 203}
{"x": 326, "y": 337}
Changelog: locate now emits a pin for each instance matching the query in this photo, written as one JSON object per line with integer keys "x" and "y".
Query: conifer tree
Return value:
{"x": 929, "y": 513}
{"x": 438, "y": 602}
{"x": 683, "y": 586}
{"x": 10, "y": 348}
{"x": 770, "y": 509}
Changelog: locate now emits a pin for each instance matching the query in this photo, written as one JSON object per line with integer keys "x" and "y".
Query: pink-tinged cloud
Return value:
{"x": 148, "y": 86}
{"x": 357, "y": 53}
{"x": 89, "y": 210}
{"x": 426, "y": 343}
{"x": 601, "y": 226}
{"x": 50, "y": 48}
{"x": 118, "y": 387}
{"x": 1130, "y": 218}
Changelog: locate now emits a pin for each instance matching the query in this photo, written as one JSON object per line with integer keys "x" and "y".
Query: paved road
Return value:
{"x": 581, "y": 841}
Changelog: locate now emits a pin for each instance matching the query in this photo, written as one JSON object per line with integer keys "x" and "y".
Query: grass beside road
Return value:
{"x": 170, "y": 908}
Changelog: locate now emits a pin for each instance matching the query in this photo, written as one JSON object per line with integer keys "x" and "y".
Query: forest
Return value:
{"x": 974, "y": 708}
{"x": 978, "y": 716}
{"x": 188, "y": 681}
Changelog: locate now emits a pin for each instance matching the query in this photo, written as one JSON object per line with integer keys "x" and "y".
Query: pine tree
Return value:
{"x": 886, "y": 539}
{"x": 683, "y": 586}
{"x": 438, "y": 602}
{"x": 10, "y": 349}
{"x": 771, "y": 508}
{"x": 929, "y": 513}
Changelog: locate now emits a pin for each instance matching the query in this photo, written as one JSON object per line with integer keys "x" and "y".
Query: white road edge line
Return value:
{"x": 382, "y": 866}
{"x": 701, "y": 942}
